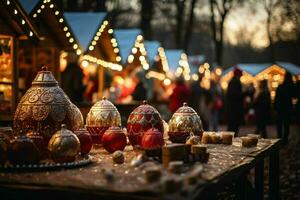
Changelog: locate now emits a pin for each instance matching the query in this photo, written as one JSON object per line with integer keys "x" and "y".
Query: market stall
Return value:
{"x": 97, "y": 42}
{"x": 255, "y": 72}
{"x": 16, "y": 29}
{"x": 56, "y": 40}
{"x": 132, "y": 50}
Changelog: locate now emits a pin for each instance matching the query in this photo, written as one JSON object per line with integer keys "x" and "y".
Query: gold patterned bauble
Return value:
{"x": 64, "y": 145}
{"x": 184, "y": 122}
{"x": 102, "y": 116}
{"x": 44, "y": 107}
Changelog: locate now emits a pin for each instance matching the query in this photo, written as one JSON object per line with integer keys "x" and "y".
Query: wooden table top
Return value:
{"x": 225, "y": 162}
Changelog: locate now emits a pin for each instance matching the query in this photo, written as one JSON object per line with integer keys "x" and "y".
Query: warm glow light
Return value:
{"x": 85, "y": 63}
{"x": 134, "y": 50}
{"x": 218, "y": 71}
{"x": 201, "y": 70}
{"x": 167, "y": 82}
{"x": 116, "y": 50}
{"x": 110, "y": 31}
{"x": 75, "y": 46}
{"x": 146, "y": 66}
{"x": 130, "y": 58}
{"x": 91, "y": 48}
{"x": 61, "y": 20}
{"x": 78, "y": 51}
{"x": 139, "y": 37}
{"x": 118, "y": 58}
{"x": 195, "y": 77}
{"x": 206, "y": 66}
{"x": 141, "y": 58}
{"x": 56, "y": 13}
{"x": 71, "y": 40}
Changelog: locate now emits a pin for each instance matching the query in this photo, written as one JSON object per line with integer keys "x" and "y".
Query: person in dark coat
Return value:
{"x": 234, "y": 100}
{"x": 199, "y": 97}
{"x": 180, "y": 95}
{"x": 72, "y": 82}
{"x": 262, "y": 106}
{"x": 283, "y": 106}
{"x": 140, "y": 91}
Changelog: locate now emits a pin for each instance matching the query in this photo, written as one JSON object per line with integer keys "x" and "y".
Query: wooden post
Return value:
{"x": 274, "y": 175}
{"x": 259, "y": 180}
{"x": 100, "y": 81}
{"x": 15, "y": 80}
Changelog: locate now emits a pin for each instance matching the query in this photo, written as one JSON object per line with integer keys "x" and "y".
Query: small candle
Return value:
{"x": 227, "y": 137}
{"x": 206, "y": 139}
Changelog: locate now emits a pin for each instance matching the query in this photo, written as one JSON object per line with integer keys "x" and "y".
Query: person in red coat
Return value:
{"x": 180, "y": 95}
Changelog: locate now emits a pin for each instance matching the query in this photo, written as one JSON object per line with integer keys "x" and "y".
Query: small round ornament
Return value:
{"x": 102, "y": 116}
{"x": 140, "y": 120}
{"x": 184, "y": 122}
{"x": 114, "y": 139}
{"x": 22, "y": 150}
{"x": 118, "y": 157}
{"x": 64, "y": 145}
{"x": 152, "y": 139}
{"x": 86, "y": 142}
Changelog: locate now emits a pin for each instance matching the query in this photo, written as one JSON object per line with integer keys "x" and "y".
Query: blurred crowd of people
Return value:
{"x": 241, "y": 103}
{"x": 234, "y": 106}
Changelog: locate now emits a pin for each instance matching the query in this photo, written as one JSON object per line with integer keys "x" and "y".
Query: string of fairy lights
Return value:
{"x": 139, "y": 46}
{"x": 75, "y": 45}
{"x": 183, "y": 68}
{"x": 11, "y": 5}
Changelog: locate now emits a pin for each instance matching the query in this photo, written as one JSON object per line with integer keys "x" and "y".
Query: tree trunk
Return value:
{"x": 271, "y": 45}
{"x": 189, "y": 29}
{"x": 213, "y": 27}
{"x": 146, "y": 16}
{"x": 219, "y": 47}
{"x": 179, "y": 19}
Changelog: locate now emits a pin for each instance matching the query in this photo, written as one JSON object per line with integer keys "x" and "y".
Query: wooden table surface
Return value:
{"x": 226, "y": 164}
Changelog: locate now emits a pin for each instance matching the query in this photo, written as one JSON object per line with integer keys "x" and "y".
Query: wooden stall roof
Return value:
{"x": 251, "y": 68}
{"x": 126, "y": 39}
{"x": 290, "y": 67}
{"x": 256, "y": 68}
{"x": 50, "y": 21}
{"x": 85, "y": 26}
{"x": 15, "y": 21}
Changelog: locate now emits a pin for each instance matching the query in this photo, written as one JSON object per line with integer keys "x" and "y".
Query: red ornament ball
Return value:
{"x": 22, "y": 150}
{"x": 114, "y": 139}
{"x": 140, "y": 120}
{"x": 85, "y": 139}
{"x": 152, "y": 139}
